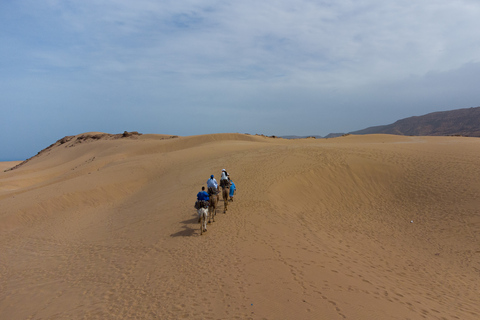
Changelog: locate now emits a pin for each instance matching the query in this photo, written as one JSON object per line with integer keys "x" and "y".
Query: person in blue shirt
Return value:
{"x": 203, "y": 195}
{"x": 202, "y": 202}
{"x": 232, "y": 190}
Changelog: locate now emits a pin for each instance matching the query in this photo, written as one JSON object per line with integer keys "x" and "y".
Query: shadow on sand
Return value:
{"x": 187, "y": 230}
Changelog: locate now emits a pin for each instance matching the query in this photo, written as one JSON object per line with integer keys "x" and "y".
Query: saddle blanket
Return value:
{"x": 201, "y": 204}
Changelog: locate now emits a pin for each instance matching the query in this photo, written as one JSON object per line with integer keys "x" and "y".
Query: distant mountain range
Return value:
{"x": 460, "y": 122}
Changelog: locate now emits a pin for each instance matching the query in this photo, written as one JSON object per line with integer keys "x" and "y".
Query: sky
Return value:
{"x": 191, "y": 67}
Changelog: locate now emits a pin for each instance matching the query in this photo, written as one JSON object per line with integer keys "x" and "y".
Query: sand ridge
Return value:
{"x": 319, "y": 229}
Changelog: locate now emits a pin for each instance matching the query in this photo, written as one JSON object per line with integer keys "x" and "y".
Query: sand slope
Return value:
{"x": 319, "y": 229}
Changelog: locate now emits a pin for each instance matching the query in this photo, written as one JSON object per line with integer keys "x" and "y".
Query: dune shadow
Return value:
{"x": 187, "y": 231}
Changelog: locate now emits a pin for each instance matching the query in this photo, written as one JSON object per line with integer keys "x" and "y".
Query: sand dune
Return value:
{"x": 6, "y": 165}
{"x": 357, "y": 227}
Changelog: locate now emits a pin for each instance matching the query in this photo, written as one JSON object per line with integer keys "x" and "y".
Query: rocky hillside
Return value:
{"x": 461, "y": 122}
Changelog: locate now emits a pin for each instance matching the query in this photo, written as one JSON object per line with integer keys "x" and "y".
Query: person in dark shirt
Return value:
{"x": 202, "y": 202}
{"x": 203, "y": 195}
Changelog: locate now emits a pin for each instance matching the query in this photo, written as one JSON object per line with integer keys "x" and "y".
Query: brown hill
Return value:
{"x": 360, "y": 227}
{"x": 70, "y": 141}
{"x": 461, "y": 122}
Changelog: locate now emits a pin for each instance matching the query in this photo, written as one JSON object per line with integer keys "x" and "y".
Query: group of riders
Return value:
{"x": 203, "y": 197}
{"x": 212, "y": 187}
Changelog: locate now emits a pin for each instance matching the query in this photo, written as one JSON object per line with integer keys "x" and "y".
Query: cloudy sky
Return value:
{"x": 284, "y": 67}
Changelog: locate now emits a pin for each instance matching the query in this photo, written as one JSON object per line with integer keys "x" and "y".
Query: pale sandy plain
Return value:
{"x": 319, "y": 229}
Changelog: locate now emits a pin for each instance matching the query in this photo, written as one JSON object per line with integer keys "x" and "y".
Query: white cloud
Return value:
{"x": 314, "y": 57}
{"x": 344, "y": 43}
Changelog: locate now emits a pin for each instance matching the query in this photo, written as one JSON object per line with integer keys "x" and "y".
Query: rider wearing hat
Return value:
{"x": 212, "y": 185}
{"x": 224, "y": 180}
{"x": 224, "y": 175}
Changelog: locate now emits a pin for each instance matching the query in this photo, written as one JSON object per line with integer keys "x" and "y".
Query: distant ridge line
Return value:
{"x": 460, "y": 122}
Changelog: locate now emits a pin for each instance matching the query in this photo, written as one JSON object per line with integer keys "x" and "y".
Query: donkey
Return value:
{"x": 203, "y": 216}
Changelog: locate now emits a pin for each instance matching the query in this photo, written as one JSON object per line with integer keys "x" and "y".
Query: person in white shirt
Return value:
{"x": 224, "y": 175}
{"x": 212, "y": 185}
{"x": 224, "y": 183}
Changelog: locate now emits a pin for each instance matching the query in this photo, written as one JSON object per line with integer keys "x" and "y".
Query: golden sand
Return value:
{"x": 357, "y": 227}
{"x": 8, "y": 165}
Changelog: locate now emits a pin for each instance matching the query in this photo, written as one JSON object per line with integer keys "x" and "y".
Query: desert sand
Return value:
{"x": 5, "y": 165}
{"x": 356, "y": 227}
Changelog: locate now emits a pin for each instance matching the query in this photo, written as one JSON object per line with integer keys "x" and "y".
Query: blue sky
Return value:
{"x": 296, "y": 67}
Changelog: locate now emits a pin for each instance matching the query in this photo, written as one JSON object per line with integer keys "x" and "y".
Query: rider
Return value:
{"x": 212, "y": 185}
{"x": 224, "y": 179}
{"x": 225, "y": 175}
{"x": 202, "y": 200}
{"x": 203, "y": 195}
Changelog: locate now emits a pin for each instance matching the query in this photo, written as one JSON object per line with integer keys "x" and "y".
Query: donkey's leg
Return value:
{"x": 205, "y": 217}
